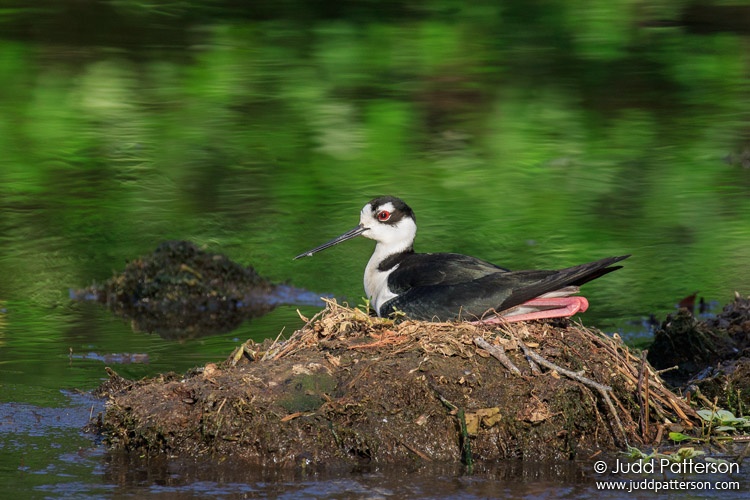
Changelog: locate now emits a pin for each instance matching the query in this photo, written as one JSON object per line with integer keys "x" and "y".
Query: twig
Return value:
{"x": 221, "y": 406}
{"x": 445, "y": 402}
{"x": 359, "y": 375}
{"x": 648, "y": 396}
{"x": 658, "y": 398}
{"x": 568, "y": 373}
{"x": 498, "y": 353}
{"x": 706, "y": 401}
{"x": 509, "y": 332}
{"x": 665, "y": 370}
{"x": 275, "y": 347}
{"x": 420, "y": 454}
{"x": 292, "y": 416}
{"x": 659, "y": 434}
{"x": 604, "y": 390}
{"x": 644, "y": 405}
{"x": 534, "y": 367}
{"x": 661, "y": 393}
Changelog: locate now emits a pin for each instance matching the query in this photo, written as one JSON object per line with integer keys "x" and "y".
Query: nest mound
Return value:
{"x": 348, "y": 387}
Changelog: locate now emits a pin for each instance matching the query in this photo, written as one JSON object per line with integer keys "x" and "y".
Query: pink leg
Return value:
{"x": 560, "y": 307}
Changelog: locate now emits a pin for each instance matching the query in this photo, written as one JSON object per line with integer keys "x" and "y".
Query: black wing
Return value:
{"x": 499, "y": 290}
{"x": 435, "y": 269}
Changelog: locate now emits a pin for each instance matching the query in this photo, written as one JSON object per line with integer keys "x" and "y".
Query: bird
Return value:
{"x": 455, "y": 287}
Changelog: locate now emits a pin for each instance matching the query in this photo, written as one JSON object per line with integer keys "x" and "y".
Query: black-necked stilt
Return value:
{"x": 447, "y": 286}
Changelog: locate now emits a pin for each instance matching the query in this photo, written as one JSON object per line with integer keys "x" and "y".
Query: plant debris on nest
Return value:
{"x": 348, "y": 387}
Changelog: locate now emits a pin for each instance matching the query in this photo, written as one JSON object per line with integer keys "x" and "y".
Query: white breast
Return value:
{"x": 391, "y": 240}
{"x": 376, "y": 283}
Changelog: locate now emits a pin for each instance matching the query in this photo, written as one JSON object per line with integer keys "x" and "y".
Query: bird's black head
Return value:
{"x": 387, "y": 220}
{"x": 389, "y": 210}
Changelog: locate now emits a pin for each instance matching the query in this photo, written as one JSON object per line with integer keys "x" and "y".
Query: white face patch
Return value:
{"x": 393, "y": 238}
{"x": 367, "y": 218}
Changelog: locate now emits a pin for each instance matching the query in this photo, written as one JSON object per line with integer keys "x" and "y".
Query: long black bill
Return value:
{"x": 338, "y": 239}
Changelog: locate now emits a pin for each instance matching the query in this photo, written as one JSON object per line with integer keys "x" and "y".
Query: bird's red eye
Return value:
{"x": 384, "y": 215}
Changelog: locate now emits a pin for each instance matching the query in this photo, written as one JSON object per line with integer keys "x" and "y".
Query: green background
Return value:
{"x": 530, "y": 134}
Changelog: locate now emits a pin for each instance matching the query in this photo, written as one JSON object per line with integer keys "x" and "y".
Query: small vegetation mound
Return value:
{"x": 709, "y": 360}
{"x": 182, "y": 291}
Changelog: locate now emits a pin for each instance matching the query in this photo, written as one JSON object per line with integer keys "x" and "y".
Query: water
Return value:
{"x": 527, "y": 138}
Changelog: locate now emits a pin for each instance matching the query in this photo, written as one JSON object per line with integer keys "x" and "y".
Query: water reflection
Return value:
{"x": 45, "y": 450}
{"x": 510, "y": 479}
{"x": 134, "y": 475}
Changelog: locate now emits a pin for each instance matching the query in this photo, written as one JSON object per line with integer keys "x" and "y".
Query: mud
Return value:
{"x": 349, "y": 388}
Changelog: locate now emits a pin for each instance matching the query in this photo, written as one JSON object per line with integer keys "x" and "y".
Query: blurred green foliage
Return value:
{"x": 527, "y": 133}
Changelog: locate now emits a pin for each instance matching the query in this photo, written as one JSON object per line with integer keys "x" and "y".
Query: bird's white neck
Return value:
{"x": 376, "y": 280}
